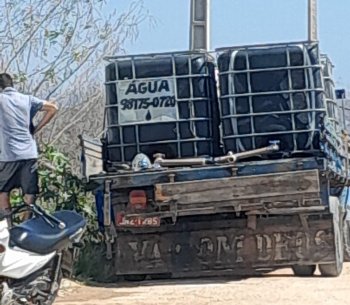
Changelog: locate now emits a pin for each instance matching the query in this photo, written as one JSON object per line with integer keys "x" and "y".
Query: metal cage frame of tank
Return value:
{"x": 333, "y": 144}
{"x": 173, "y": 55}
{"x": 333, "y": 110}
{"x": 307, "y": 69}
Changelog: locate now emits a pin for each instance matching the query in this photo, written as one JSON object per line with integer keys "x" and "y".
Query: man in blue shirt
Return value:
{"x": 18, "y": 149}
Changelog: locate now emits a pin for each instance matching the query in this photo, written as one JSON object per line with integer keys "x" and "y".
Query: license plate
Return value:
{"x": 137, "y": 221}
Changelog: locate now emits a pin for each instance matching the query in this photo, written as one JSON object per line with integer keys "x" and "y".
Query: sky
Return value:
{"x": 241, "y": 22}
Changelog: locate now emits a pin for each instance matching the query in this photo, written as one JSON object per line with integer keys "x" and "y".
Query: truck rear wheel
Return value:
{"x": 346, "y": 233}
{"x": 299, "y": 270}
{"x": 334, "y": 269}
{"x": 134, "y": 277}
{"x": 160, "y": 276}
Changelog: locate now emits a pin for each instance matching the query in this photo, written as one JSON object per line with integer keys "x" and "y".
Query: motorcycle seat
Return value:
{"x": 37, "y": 236}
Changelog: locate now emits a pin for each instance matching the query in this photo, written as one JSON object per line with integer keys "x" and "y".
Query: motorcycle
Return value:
{"x": 31, "y": 254}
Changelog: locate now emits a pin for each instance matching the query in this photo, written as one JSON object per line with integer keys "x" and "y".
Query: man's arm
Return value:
{"x": 50, "y": 109}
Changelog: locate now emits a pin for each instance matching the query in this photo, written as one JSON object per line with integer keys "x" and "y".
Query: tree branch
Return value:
{"x": 32, "y": 34}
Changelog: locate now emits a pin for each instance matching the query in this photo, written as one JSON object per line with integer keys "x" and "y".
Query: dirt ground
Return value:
{"x": 279, "y": 287}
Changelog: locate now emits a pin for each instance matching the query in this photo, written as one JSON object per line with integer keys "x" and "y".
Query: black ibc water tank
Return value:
{"x": 272, "y": 92}
{"x": 161, "y": 103}
{"x": 333, "y": 110}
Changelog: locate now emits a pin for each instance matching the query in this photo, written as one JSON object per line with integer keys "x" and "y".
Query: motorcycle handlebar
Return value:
{"x": 46, "y": 216}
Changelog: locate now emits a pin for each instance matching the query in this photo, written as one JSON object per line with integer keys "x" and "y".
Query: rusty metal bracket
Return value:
{"x": 300, "y": 165}
{"x": 110, "y": 236}
{"x": 171, "y": 178}
{"x": 109, "y": 254}
{"x": 112, "y": 231}
{"x": 173, "y": 210}
{"x": 234, "y": 171}
{"x": 107, "y": 204}
{"x": 304, "y": 223}
{"x": 251, "y": 222}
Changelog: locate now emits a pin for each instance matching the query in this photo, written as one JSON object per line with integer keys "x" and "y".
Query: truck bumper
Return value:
{"x": 199, "y": 248}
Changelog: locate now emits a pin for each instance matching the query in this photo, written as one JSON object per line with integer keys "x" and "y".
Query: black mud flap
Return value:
{"x": 209, "y": 248}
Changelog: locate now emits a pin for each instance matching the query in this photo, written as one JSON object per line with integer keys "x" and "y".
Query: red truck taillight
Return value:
{"x": 138, "y": 199}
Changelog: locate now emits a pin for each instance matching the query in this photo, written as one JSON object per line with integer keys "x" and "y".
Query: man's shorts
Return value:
{"x": 19, "y": 174}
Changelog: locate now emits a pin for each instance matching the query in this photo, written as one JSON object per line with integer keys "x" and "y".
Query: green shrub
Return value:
{"x": 60, "y": 189}
{"x": 92, "y": 264}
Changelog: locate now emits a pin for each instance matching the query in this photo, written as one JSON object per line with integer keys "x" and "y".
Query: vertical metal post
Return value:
{"x": 312, "y": 16}
{"x": 343, "y": 113}
{"x": 107, "y": 204}
{"x": 200, "y": 25}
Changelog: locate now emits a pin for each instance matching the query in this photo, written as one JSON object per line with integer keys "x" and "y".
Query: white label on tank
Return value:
{"x": 142, "y": 101}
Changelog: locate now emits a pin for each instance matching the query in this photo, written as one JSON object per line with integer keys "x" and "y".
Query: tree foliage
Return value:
{"x": 55, "y": 49}
{"x": 47, "y": 44}
{"x": 61, "y": 189}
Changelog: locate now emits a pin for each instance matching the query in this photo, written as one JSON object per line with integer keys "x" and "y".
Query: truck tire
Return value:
{"x": 299, "y": 270}
{"x": 160, "y": 276}
{"x": 134, "y": 277}
{"x": 334, "y": 269}
{"x": 346, "y": 233}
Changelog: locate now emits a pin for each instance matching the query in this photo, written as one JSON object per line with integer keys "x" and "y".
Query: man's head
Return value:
{"x": 5, "y": 80}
